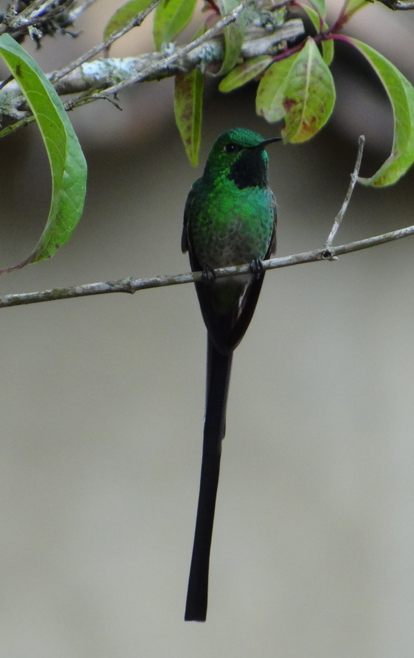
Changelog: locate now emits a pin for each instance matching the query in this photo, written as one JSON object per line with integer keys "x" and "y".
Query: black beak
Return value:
{"x": 265, "y": 142}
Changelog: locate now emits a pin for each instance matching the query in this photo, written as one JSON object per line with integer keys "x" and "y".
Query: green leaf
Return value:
{"x": 328, "y": 44}
{"x": 315, "y": 18}
{"x": 124, "y": 15}
{"x": 245, "y": 72}
{"x": 171, "y": 16}
{"x": 352, "y": 6}
{"x": 188, "y": 105}
{"x": 233, "y": 36}
{"x": 271, "y": 90}
{"x": 328, "y": 51}
{"x": 67, "y": 163}
{"x": 300, "y": 89}
{"x": 320, "y": 7}
{"x": 401, "y": 95}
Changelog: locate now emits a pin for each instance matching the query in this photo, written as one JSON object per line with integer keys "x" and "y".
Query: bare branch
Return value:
{"x": 398, "y": 4}
{"x": 354, "y": 179}
{"x": 131, "y": 285}
{"x": 75, "y": 13}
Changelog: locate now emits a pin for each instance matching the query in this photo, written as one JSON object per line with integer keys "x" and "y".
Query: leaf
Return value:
{"x": 300, "y": 89}
{"x": 67, "y": 162}
{"x": 271, "y": 90}
{"x": 309, "y": 95}
{"x": 352, "y": 6}
{"x": 245, "y": 72}
{"x": 320, "y": 7}
{"x": 401, "y": 95}
{"x": 328, "y": 44}
{"x": 328, "y": 51}
{"x": 171, "y": 16}
{"x": 233, "y": 36}
{"x": 315, "y": 18}
{"x": 188, "y": 105}
{"x": 124, "y": 15}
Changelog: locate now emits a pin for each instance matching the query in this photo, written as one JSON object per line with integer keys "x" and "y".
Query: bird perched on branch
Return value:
{"x": 229, "y": 219}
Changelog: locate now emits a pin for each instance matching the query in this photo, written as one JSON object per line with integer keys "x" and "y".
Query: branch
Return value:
{"x": 81, "y": 75}
{"x": 354, "y": 179}
{"x": 131, "y": 285}
{"x": 155, "y": 66}
{"x": 75, "y": 13}
{"x": 153, "y": 69}
{"x": 179, "y": 52}
{"x": 39, "y": 13}
{"x": 102, "y": 72}
{"x": 104, "y": 45}
{"x": 398, "y": 4}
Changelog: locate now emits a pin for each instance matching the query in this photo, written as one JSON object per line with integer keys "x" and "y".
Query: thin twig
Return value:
{"x": 6, "y": 81}
{"x": 75, "y": 13}
{"x": 354, "y": 178}
{"x": 131, "y": 285}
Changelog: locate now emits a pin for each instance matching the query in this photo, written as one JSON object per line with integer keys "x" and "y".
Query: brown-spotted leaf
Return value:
{"x": 271, "y": 91}
{"x": 301, "y": 89}
{"x": 188, "y": 105}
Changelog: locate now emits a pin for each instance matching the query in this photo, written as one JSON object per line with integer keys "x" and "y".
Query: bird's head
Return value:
{"x": 239, "y": 154}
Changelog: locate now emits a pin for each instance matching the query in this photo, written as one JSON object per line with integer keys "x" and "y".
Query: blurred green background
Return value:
{"x": 102, "y": 401}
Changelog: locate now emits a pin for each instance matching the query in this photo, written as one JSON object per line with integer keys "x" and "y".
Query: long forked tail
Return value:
{"x": 218, "y": 379}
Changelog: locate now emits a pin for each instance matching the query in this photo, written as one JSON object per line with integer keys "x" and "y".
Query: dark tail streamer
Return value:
{"x": 218, "y": 379}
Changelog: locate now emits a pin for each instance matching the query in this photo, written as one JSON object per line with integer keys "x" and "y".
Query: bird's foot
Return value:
{"x": 208, "y": 274}
{"x": 256, "y": 268}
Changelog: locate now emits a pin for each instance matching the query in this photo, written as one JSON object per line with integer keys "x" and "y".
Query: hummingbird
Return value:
{"x": 229, "y": 219}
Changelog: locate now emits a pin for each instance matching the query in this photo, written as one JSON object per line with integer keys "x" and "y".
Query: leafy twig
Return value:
{"x": 99, "y": 73}
{"x": 179, "y": 53}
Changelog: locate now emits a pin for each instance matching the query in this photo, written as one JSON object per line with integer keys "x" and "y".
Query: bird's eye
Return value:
{"x": 232, "y": 148}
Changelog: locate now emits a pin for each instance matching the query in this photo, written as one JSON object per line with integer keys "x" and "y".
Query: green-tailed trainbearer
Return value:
{"x": 229, "y": 219}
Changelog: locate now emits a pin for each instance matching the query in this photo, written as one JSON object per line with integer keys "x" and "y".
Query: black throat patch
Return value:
{"x": 250, "y": 170}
